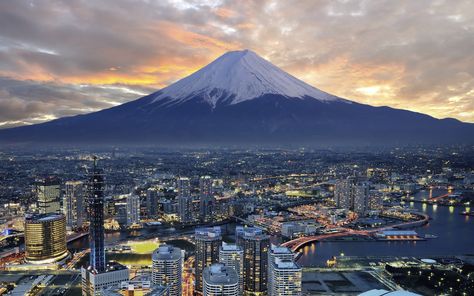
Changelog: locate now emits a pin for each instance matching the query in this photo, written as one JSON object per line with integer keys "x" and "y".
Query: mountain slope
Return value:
{"x": 242, "y": 99}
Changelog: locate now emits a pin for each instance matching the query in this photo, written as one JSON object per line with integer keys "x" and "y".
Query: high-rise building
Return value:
{"x": 255, "y": 245}
{"x": 185, "y": 200}
{"x": 208, "y": 241}
{"x": 96, "y": 212}
{"x": 233, "y": 256}
{"x": 184, "y": 186}
{"x": 99, "y": 276}
{"x": 284, "y": 275}
{"x": 206, "y": 199}
{"x": 74, "y": 204}
{"x": 343, "y": 193}
{"x": 220, "y": 280}
{"x": 361, "y": 198}
{"x": 133, "y": 209}
{"x": 48, "y": 192}
{"x": 167, "y": 268}
{"x": 152, "y": 202}
{"x": 45, "y": 238}
{"x": 185, "y": 209}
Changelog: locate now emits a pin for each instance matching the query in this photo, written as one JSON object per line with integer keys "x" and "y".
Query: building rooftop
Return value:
{"x": 230, "y": 247}
{"x": 285, "y": 264}
{"x": 167, "y": 252}
{"x": 210, "y": 232}
{"x": 218, "y": 274}
{"x": 43, "y": 217}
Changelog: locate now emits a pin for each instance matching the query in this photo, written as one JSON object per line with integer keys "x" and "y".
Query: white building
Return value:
{"x": 167, "y": 268}
{"x": 74, "y": 204}
{"x": 233, "y": 256}
{"x": 93, "y": 283}
{"x": 219, "y": 280}
{"x": 284, "y": 275}
{"x": 133, "y": 209}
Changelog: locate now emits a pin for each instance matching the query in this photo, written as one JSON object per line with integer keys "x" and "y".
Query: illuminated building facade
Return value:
{"x": 255, "y": 245}
{"x": 208, "y": 241}
{"x": 74, "y": 204}
{"x": 48, "y": 193}
{"x": 206, "y": 199}
{"x": 284, "y": 275}
{"x": 167, "y": 268}
{"x": 45, "y": 238}
{"x": 219, "y": 279}
{"x": 233, "y": 257}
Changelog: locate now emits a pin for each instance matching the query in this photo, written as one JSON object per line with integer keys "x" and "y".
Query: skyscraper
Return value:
{"x": 255, "y": 245}
{"x": 220, "y": 280}
{"x": 233, "y": 256}
{"x": 99, "y": 275}
{"x": 361, "y": 198}
{"x": 48, "y": 193}
{"x": 45, "y": 238}
{"x": 96, "y": 212}
{"x": 343, "y": 193}
{"x": 73, "y": 204}
{"x": 133, "y": 209}
{"x": 206, "y": 199}
{"x": 284, "y": 275}
{"x": 208, "y": 240}
{"x": 167, "y": 268}
{"x": 185, "y": 200}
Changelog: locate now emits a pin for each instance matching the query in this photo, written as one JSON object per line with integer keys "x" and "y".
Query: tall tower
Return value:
{"x": 99, "y": 276}
{"x": 48, "y": 192}
{"x": 284, "y": 275}
{"x": 73, "y": 204}
{"x": 233, "y": 256}
{"x": 168, "y": 267}
{"x": 255, "y": 245}
{"x": 185, "y": 200}
{"x": 96, "y": 228}
{"x": 206, "y": 199}
{"x": 208, "y": 241}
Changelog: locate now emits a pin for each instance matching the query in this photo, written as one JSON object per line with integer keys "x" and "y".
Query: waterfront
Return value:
{"x": 454, "y": 232}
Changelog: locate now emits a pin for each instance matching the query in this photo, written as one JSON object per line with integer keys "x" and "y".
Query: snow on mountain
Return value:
{"x": 238, "y": 76}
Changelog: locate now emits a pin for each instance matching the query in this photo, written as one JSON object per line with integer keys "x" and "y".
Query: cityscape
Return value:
{"x": 236, "y": 148}
{"x": 142, "y": 221}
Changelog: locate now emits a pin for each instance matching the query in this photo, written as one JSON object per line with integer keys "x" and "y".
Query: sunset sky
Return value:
{"x": 60, "y": 58}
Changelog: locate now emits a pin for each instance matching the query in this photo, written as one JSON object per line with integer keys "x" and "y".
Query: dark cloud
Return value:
{"x": 414, "y": 55}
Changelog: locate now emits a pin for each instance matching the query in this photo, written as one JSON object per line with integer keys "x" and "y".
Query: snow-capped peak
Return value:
{"x": 240, "y": 76}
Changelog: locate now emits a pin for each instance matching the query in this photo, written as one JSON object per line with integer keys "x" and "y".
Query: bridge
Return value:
{"x": 297, "y": 243}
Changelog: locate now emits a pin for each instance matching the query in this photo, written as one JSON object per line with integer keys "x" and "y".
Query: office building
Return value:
{"x": 208, "y": 241}
{"x": 48, "y": 194}
{"x": 99, "y": 276}
{"x": 167, "y": 268}
{"x": 74, "y": 204}
{"x": 45, "y": 238}
{"x": 232, "y": 256}
{"x": 206, "y": 199}
{"x": 137, "y": 288}
{"x": 220, "y": 280}
{"x": 284, "y": 275}
{"x": 133, "y": 209}
{"x": 255, "y": 245}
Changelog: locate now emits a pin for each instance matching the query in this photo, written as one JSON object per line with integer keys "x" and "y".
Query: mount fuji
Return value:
{"x": 238, "y": 99}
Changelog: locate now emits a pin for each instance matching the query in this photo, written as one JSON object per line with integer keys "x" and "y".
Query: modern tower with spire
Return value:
{"x": 99, "y": 275}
